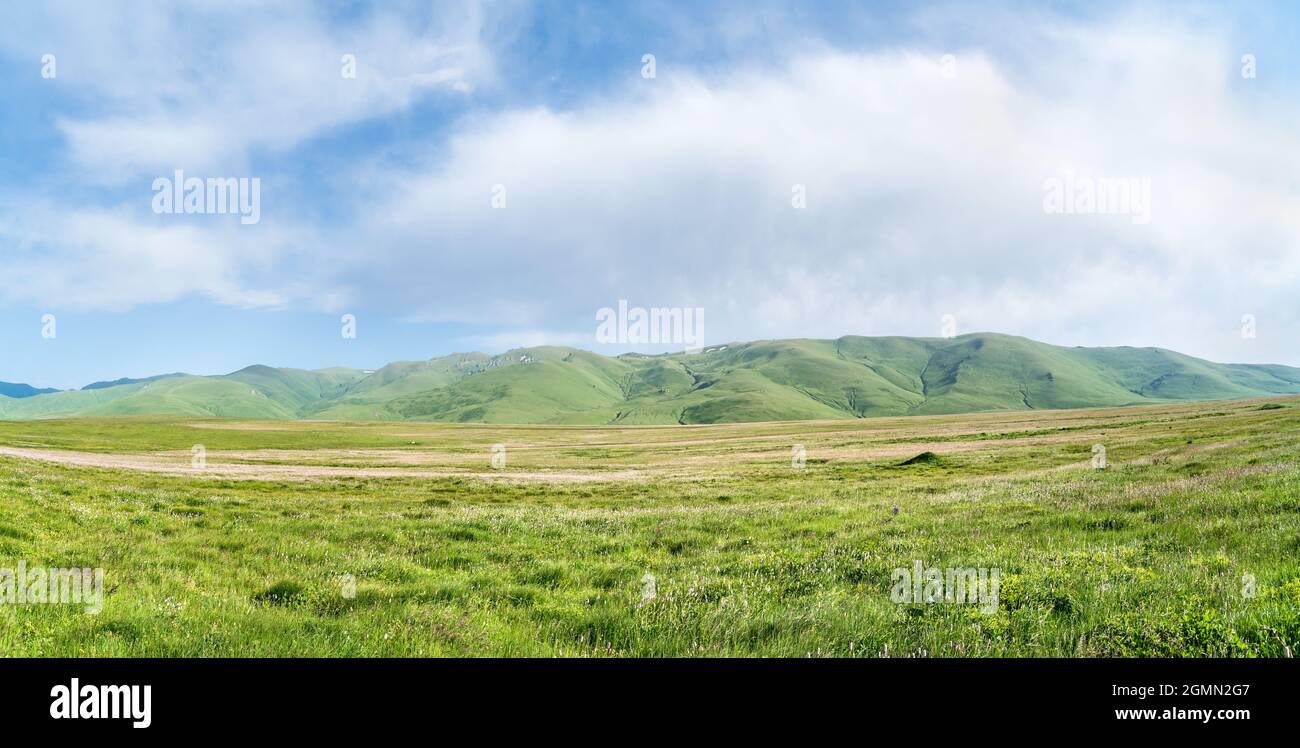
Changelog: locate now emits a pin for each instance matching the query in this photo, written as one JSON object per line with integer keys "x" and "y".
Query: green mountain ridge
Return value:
{"x": 17, "y": 390}
{"x": 128, "y": 380}
{"x": 769, "y": 380}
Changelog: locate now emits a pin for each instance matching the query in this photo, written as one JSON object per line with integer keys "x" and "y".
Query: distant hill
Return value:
{"x": 850, "y": 377}
{"x": 11, "y": 389}
{"x": 124, "y": 380}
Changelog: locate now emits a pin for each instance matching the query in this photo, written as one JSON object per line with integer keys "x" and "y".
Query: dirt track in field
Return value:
{"x": 176, "y": 464}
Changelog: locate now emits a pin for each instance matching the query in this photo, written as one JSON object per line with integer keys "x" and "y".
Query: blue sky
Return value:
{"x": 924, "y": 176}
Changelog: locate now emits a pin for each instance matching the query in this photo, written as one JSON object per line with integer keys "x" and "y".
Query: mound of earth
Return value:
{"x": 925, "y": 458}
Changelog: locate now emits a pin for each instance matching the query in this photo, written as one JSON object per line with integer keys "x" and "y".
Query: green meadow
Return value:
{"x": 312, "y": 538}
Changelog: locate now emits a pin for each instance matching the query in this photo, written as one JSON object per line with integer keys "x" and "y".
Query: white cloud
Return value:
{"x": 205, "y": 87}
{"x": 99, "y": 259}
{"x": 198, "y": 86}
{"x": 526, "y": 339}
{"x": 924, "y": 197}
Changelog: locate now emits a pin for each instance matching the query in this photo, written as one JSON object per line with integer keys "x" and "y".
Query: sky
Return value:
{"x": 487, "y": 175}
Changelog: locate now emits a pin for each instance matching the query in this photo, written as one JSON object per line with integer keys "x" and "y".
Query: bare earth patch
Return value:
{"x": 174, "y": 464}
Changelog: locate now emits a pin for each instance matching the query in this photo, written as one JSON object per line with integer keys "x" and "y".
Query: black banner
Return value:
{"x": 331, "y": 697}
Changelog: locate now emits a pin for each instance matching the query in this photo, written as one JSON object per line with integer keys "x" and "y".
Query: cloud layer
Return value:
{"x": 923, "y": 181}
{"x": 924, "y": 196}
{"x": 202, "y": 85}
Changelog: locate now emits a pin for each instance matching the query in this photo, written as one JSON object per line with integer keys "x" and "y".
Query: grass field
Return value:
{"x": 1186, "y": 544}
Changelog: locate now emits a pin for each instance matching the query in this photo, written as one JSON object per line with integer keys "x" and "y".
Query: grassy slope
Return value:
{"x": 1008, "y": 373}
{"x": 555, "y": 385}
{"x": 845, "y": 378}
{"x": 851, "y": 377}
{"x": 368, "y": 397}
{"x": 63, "y": 404}
{"x": 254, "y": 392}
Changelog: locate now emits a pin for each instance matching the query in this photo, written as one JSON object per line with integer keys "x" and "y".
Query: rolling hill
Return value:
{"x": 850, "y": 377}
{"x": 11, "y": 389}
